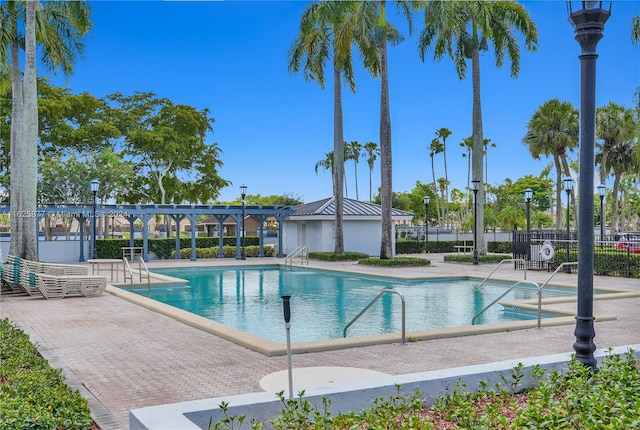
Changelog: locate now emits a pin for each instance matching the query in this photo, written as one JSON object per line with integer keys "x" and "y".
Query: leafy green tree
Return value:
{"x": 58, "y": 28}
{"x": 372, "y": 153}
{"x": 614, "y": 123}
{"x": 327, "y": 33}
{"x": 552, "y": 131}
{"x": 463, "y": 30}
{"x": 166, "y": 146}
{"x": 511, "y": 217}
{"x": 621, "y": 161}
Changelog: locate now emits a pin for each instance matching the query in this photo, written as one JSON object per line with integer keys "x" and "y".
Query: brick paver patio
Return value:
{"x": 129, "y": 357}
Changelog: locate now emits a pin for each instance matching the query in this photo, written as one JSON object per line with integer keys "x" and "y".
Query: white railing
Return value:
{"x": 302, "y": 251}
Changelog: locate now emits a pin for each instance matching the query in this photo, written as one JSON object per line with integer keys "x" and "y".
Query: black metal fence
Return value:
{"x": 611, "y": 257}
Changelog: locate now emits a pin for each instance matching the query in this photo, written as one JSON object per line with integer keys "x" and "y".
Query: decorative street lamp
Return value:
{"x": 588, "y": 19}
{"x": 476, "y": 186}
{"x": 426, "y": 224}
{"x": 528, "y": 194}
{"x": 243, "y": 194}
{"x": 602, "y": 190}
{"x": 568, "y": 187}
{"x": 95, "y": 184}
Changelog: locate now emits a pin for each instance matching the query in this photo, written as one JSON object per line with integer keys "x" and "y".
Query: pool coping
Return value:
{"x": 271, "y": 349}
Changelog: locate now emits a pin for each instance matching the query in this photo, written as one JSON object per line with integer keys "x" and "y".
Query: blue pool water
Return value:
{"x": 323, "y": 303}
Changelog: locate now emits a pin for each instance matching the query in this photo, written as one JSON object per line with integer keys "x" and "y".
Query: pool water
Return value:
{"x": 323, "y": 303}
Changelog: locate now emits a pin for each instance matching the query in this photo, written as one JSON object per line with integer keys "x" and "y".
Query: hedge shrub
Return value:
{"x": 34, "y": 395}
{"x": 394, "y": 262}
{"x": 165, "y": 247}
{"x": 468, "y": 258}
{"x": 227, "y": 251}
{"x": 332, "y": 256}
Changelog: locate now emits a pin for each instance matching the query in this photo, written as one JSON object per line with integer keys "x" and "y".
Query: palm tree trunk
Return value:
{"x": 17, "y": 149}
{"x": 338, "y": 161}
{"x": 559, "y": 212}
{"x": 478, "y": 148}
{"x": 27, "y": 198}
{"x": 355, "y": 171}
{"x": 574, "y": 206}
{"x": 614, "y": 202}
{"x": 385, "y": 151}
{"x": 435, "y": 187}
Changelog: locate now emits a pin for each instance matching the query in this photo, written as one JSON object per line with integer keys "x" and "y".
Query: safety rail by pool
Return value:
{"x": 539, "y": 287}
{"x": 383, "y": 292}
{"x": 128, "y": 273}
{"x": 507, "y": 260}
{"x": 301, "y": 251}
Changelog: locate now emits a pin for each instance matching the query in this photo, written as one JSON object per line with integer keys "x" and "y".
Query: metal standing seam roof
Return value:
{"x": 350, "y": 208}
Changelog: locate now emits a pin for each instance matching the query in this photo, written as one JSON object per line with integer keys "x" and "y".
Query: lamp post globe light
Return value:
{"x": 243, "y": 194}
{"x": 588, "y": 19}
{"x": 528, "y": 195}
{"x": 426, "y": 224}
{"x": 95, "y": 184}
{"x": 568, "y": 187}
{"x": 602, "y": 190}
{"x": 476, "y": 187}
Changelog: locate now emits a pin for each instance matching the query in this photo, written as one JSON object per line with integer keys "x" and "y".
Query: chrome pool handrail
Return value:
{"x": 473, "y": 320}
{"x": 507, "y": 260}
{"x": 404, "y": 340}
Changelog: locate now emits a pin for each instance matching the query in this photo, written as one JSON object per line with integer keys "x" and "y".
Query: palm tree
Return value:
{"x": 374, "y": 28}
{"x": 442, "y": 134}
{"x": 621, "y": 160}
{"x": 487, "y": 143}
{"x": 553, "y": 131}
{"x": 462, "y": 30}
{"x": 372, "y": 153}
{"x": 635, "y": 29}
{"x": 435, "y": 148}
{"x": 58, "y": 28}
{"x": 614, "y": 124}
{"x": 353, "y": 153}
{"x": 327, "y": 32}
{"x": 326, "y": 164}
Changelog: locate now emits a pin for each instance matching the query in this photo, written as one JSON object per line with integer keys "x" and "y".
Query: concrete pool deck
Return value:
{"x": 127, "y": 357}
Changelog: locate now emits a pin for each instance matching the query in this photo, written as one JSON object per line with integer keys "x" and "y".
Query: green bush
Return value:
{"x": 165, "y": 247}
{"x": 500, "y": 247}
{"x": 332, "y": 256}
{"x": 577, "y": 399}
{"x": 227, "y": 252}
{"x": 468, "y": 258}
{"x": 394, "y": 262}
{"x": 32, "y": 394}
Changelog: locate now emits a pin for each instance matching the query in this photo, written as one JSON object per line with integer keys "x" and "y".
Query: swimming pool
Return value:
{"x": 323, "y": 302}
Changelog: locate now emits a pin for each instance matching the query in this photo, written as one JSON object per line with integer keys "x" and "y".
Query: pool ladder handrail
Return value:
{"x": 507, "y": 260}
{"x": 301, "y": 251}
{"x": 128, "y": 273}
{"x": 147, "y": 274}
{"x": 383, "y": 292}
{"x": 517, "y": 284}
{"x": 539, "y": 292}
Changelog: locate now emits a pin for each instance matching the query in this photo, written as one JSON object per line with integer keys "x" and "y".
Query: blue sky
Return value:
{"x": 272, "y": 126}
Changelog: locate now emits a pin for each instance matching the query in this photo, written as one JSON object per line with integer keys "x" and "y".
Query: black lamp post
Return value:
{"x": 426, "y": 224}
{"x": 568, "y": 186}
{"x": 588, "y": 19}
{"x": 528, "y": 194}
{"x": 476, "y": 187}
{"x": 602, "y": 190}
{"x": 95, "y": 184}
{"x": 243, "y": 193}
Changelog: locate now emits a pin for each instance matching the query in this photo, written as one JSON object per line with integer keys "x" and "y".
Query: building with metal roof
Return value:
{"x": 312, "y": 225}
